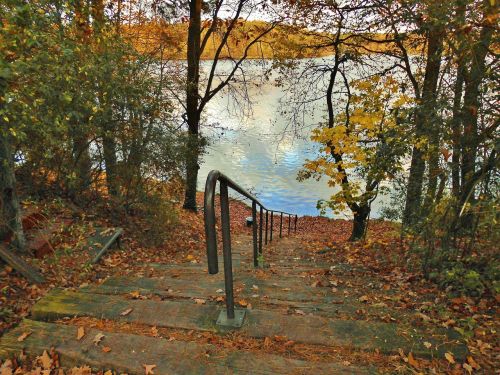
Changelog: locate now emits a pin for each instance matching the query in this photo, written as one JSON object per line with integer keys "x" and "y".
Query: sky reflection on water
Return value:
{"x": 250, "y": 151}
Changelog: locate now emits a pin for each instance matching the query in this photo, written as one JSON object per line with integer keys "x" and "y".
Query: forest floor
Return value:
{"x": 390, "y": 279}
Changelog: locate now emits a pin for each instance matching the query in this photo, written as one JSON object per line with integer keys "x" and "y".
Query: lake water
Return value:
{"x": 262, "y": 153}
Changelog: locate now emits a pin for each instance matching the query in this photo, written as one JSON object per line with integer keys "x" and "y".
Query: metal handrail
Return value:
{"x": 211, "y": 235}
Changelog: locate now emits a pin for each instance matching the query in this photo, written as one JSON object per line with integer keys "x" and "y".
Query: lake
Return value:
{"x": 263, "y": 152}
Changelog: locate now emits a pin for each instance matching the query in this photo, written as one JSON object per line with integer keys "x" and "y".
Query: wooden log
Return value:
{"x": 102, "y": 241}
{"x": 21, "y": 266}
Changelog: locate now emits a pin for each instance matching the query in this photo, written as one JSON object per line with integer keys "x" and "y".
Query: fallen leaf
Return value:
{"x": 242, "y": 302}
{"x": 80, "y": 333}
{"x": 267, "y": 342}
{"x": 106, "y": 349}
{"x": 109, "y": 372}
{"x": 219, "y": 291}
{"x": 449, "y": 357}
{"x": 149, "y": 369}
{"x": 255, "y": 287}
{"x": 427, "y": 344}
{"x": 300, "y": 312}
{"x": 23, "y": 336}
{"x": 190, "y": 257}
{"x": 199, "y": 301}
{"x": 467, "y": 367}
{"x": 45, "y": 360}
{"x": 412, "y": 361}
{"x": 363, "y": 299}
{"x": 473, "y": 363}
{"x": 154, "y": 331}
{"x": 126, "y": 312}
{"x": 98, "y": 338}
{"x": 135, "y": 294}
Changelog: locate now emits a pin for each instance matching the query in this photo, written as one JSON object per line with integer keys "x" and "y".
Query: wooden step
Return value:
{"x": 361, "y": 335}
{"x": 287, "y": 292}
{"x": 128, "y": 353}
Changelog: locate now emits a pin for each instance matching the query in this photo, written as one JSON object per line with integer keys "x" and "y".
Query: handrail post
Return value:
{"x": 281, "y": 224}
{"x": 261, "y": 218}
{"x": 254, "y": 232}
{"x": 209, "y": 213}
{"x": 296, "y": 218}
{"x": 267, "y": 214}
{"x": 272, "y": 224}
{"x": 226, "y": 249}
{"x": 260, "y": 228}
{"x": 289, "y": 223}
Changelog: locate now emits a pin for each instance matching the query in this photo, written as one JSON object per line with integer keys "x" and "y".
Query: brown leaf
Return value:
{"x": 473, "y": 363}
{"x": 45, "y": 360}
{"x": 449, "y": 357}
{"x": 267, "y": 342}
{"x": 199, "y": 301}
{"x": 412, "y": 361}
{"x": 23, "y": 336}
{"x": 126, "y": 312}
{"x": 106, "y": 349}
{"x": 98, "y": 338}
{"x": 80, "y": 333}
{"x": 135, "y": 294}
{"x": 242, "y": 302}
{"x": 154, "y": 331}
{"x": 149, "y": 369}
{"x": 363, "y": 299}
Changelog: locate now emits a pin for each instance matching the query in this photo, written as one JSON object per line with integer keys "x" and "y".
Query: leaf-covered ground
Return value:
{"x": 392, "y": 280}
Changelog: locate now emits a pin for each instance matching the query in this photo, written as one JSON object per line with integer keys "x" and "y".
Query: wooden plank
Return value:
{"x": 21, "y": 266}
{"x": 360, "y": 335}
{"x": 274, "y": 290}
{"x": 102, "y": 241}
{"x": 293, "y": 294}
{"x": 128, "y": 353}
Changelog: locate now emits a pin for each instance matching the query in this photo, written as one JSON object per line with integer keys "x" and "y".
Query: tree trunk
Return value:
{"x": 360, "y": 222}
{"x": 109, "y": 151}
{"x": 470, "y": 111}
{"x": 10, "y": 220}
{"x": 81, "y": 161}
{"x": 80, "y": 145}
{"x": 192, "y": 100}
{"x": 424, "y": 129}
{"x": 456, "y": 121}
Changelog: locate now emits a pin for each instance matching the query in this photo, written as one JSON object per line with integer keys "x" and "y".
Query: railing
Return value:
{"x": 211, "y": 235}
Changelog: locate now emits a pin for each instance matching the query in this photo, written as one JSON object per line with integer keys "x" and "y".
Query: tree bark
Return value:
{"x": 10, "y": 221}
{"x": 108, "y": 128}
{"x": 80, "y": 148}
{"x": 359, "y": 223}
{"x": 432, "y": 125}
{"x": 470, "y": 110}
{"x": 192, "y": 101}
{"x": 423, "y": 123}
{"x": 109, "y": 151}
{"x": 456, "y": 121}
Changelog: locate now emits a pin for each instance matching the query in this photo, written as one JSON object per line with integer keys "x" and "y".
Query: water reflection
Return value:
{"x": 256, "y": 153}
